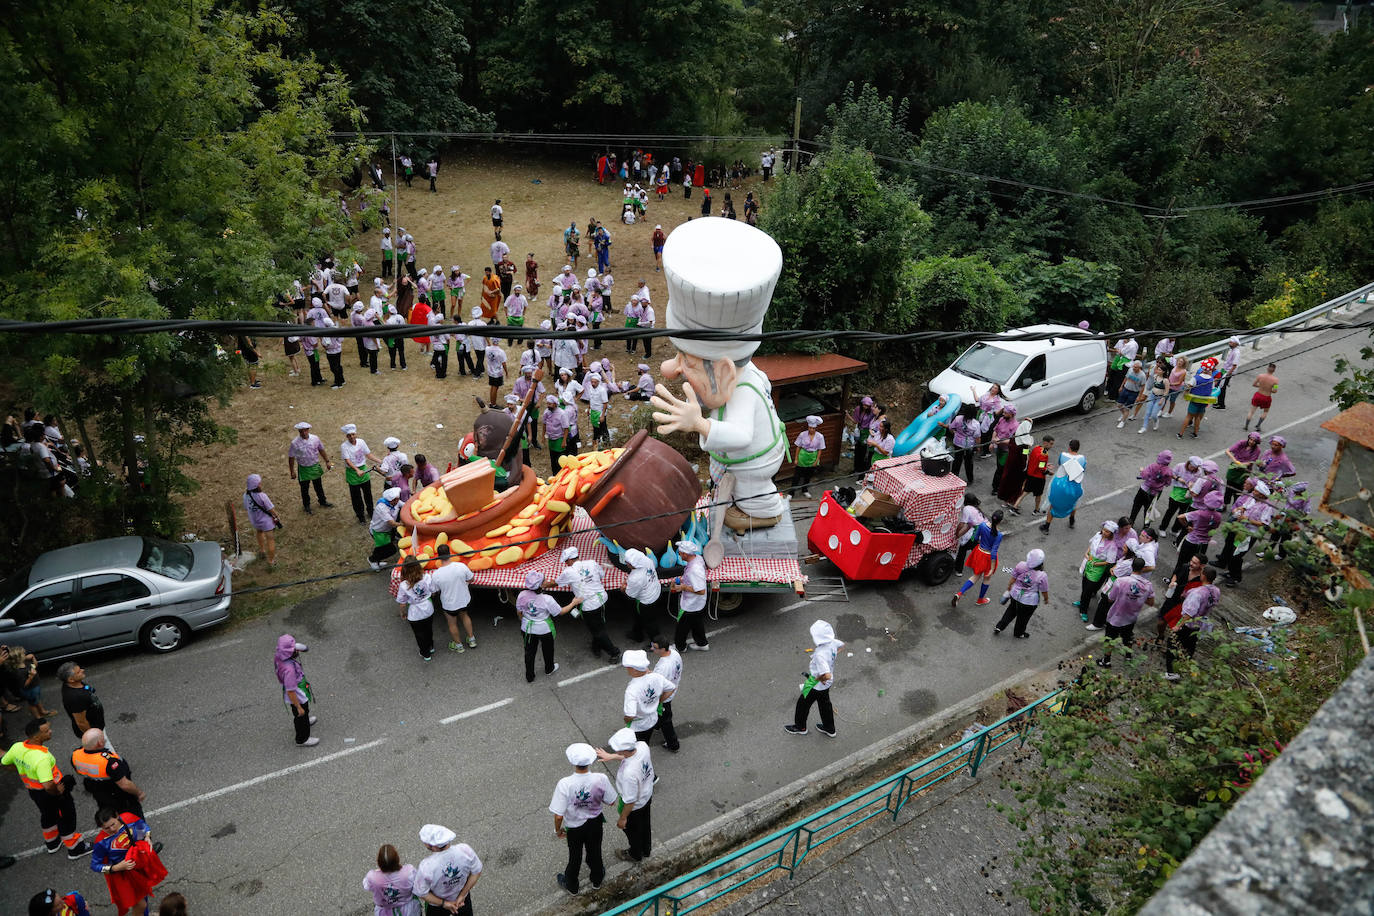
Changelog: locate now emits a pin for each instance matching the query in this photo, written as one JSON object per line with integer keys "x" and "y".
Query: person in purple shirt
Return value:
{"x": 1257, "y": 514}
{"x": 1194, "y": 620}
{"x": 574, "y": 440}
{"x": 865, "y": 418}
{"x": 555, "y": 430}
{"x": 1153, "y": 479}
{"x": 643, "y": 387}
{"x": 964, "y": 431}
{"x": 1289, "y": 517}
{"x": 317, "y": 314}
{"x": 989, "y": 406}
{"x": 522, "y": 387}
{"x": 1243, "y": 455}
{"x": 1129, "y": 595}
{"x": 1275, "y": 463}
{"x": 1028, "y": 589}
{"x": 424, "y": 474}
{"x": 1201, "y": 522}
{"x": 1185, "y": 473}
{"x": 262, "y": 514}
{"x": 392, "y": 885}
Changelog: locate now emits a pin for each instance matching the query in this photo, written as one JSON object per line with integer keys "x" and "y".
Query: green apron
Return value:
{"x": 306, "y": 473}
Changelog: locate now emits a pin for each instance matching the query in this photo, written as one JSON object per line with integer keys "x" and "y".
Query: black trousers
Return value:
{"x": 316, "y": 376}
{"x": 336, "y": 367}
{"x": 1142, "y": 503}
{"x": 479, "y": 362}
{"x": 648, "y": 347}
{"x": 440, "y": 361}
{"x": 585, "y": 839}
{"x": 1125, "y": 634}
{"x": 384, "y": 551}
{"x": 386, "y": 267}
{"x": 1230, "y": 558}
{"x": 1186, "y": 639}
{"x": 1086, "y": 592}
{"x": 371, "y": 364}
{"x": 424, "y": 635}
{"x": 596, "y": 628}
{"x": 361, "y": 494}
{"x": 819, "y": 698}
{"x": 465, "y": 364}
{"x": 1104, "y": 604}
{"x": 1221, "y": 391}
{"x": 801, "y": 477}
{"x": 464, "y": 910}
{"x": 302, "y": 723}
{"x": 55, "y": 811}
{"x": 1021, "y": 613}
{"x": 533, "y": 643}
{"x": 554, "y": 455}
{"x": 693, "y": 622}
{"x": 963, "y": 456}
{"x": 665, "y": 725}
{"x": 1174, "y": 507}
{"x": 108, "y": 795}
{"x": 410, "y": 269}
{"x": 398, "y": 352}
{"x": 305, "y": 491}
{"x": 639, "y": 831}
{"x": 863, "y": 454}
{"x": 646, "y": 621}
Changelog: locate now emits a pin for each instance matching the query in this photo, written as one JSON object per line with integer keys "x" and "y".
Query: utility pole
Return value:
{"x": 796, "y": 135}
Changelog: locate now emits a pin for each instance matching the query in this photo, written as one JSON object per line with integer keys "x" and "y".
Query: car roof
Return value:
{"x": 66, "y": 561}
{"x": 1028, "y": 347}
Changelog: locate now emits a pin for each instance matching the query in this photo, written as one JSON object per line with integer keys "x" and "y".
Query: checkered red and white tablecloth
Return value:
{"x": 931, "y": 503}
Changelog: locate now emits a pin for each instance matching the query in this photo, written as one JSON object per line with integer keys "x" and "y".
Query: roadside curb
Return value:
{"x": 781, "y": 806}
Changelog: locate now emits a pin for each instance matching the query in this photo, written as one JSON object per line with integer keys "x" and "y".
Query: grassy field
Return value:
{"x": 428, "y": 415}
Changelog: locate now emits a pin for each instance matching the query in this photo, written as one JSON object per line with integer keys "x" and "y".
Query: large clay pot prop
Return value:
{"x": 645, "y": 497}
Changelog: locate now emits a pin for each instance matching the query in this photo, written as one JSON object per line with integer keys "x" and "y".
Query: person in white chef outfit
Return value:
{"x": 720, "y": 275}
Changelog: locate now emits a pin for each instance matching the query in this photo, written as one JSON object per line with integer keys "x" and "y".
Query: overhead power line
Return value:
{"x": 127, "y": 326}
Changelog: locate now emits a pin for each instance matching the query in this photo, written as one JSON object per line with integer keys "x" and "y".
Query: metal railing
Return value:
{"x": 786, "y": 849}
{"x": 1291, "y": 323}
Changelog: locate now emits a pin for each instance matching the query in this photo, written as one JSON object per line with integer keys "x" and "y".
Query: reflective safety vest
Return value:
{"x": 36, "y": 765}
{"x": 93, "y": 765}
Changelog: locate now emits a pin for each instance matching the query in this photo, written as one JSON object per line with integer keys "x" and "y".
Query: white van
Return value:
{"x": 1039, "y": 376}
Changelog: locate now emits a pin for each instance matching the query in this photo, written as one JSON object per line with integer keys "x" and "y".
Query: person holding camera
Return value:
{"x": 263, "y": 515}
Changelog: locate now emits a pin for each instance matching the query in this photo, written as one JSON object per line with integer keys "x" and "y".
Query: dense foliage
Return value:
{"x": 169, "y": 166}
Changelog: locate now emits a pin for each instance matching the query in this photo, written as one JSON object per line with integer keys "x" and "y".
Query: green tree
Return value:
{"x": 173, "y": 164}
{"x": 403, "y": 59}
{"x": 846, "y": 241}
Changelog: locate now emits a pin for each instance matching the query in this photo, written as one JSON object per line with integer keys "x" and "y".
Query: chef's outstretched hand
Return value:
{"x": 673, "y": 414}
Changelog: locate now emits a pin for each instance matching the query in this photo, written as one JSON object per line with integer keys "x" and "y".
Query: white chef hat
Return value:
{"x": 392, "y": 442}
{"x": 623, "y": 740}
{"x": 813, "y": 421}
{"x": 635, "y": 659}
{"x": 581, "y": 755}
{"x": 720, "y": 274}
{"x": 348, "y": 428}
{"x": 391, "y": 493}
{"x": 569, "y": 553}
{"x": 436, "y": 835}
{"x": 591, "y": 272}
{"x": 512, "y": 399}
{"x": 302, "y": 425}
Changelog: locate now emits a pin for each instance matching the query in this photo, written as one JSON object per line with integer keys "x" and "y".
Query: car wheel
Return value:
{"x": 935, "y": 568}
{"x": 1088, "y": 401}
{"x": 165, "y": 634}
{"x": 728, "y": 604}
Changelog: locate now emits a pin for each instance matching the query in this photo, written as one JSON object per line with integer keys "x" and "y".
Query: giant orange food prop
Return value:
{"x": 518, "y": 525}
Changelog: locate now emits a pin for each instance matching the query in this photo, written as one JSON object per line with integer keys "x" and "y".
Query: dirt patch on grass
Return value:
{"x": 450, "y": 227}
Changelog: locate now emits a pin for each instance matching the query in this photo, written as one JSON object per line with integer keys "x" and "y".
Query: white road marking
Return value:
{"x": 587, "y": 674}
{"x": 791, "y": 607}
{"x": 1115, "y": 493}
{"x": 724, "y": 629}
{"x": 478, "y": 711}
{"x": 246, "y": 784}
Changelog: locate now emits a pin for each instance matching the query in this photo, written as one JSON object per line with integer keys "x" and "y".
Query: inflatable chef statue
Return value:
{"x": 720, "y": 275}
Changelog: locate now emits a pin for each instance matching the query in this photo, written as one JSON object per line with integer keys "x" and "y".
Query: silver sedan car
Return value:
{"x": 115, "y": 592}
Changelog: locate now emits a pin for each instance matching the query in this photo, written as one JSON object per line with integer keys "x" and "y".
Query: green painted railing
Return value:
{"x": 786, "y": 849}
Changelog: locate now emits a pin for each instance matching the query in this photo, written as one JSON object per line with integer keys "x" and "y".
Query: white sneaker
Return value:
{"x": 1120, "y": 424}
{"x": 1170, "y": 677}
{"x": 1140, "y": 431}
{"x": 1091, "y": 627}
{"x": 309, "y": 742}
{"x": 1156, "y": 423}
{"x": 314, "y": 719}
{"x": 692, "y": 645}
{"x": 555, "y": 669}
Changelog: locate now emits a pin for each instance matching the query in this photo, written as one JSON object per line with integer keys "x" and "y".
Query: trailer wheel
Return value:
{"x": 935, "y": 568}
{"x": 728, "y": 604}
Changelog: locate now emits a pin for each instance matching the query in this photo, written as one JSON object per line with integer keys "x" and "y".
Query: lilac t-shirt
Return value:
{"x": 1027, "y": 584}
{"x": 1128, "y": 596}
{"x": 393, "y": 892}
{"x": 1201, "y": 524}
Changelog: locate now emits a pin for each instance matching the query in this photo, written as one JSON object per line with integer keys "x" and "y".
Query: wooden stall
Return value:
{"x": 796, "y": 379}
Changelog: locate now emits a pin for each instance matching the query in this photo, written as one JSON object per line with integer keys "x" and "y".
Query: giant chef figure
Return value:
{"x": 720, "y": 275}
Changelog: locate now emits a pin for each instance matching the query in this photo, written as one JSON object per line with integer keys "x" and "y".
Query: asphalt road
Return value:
{"x": 254, "y": 824}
